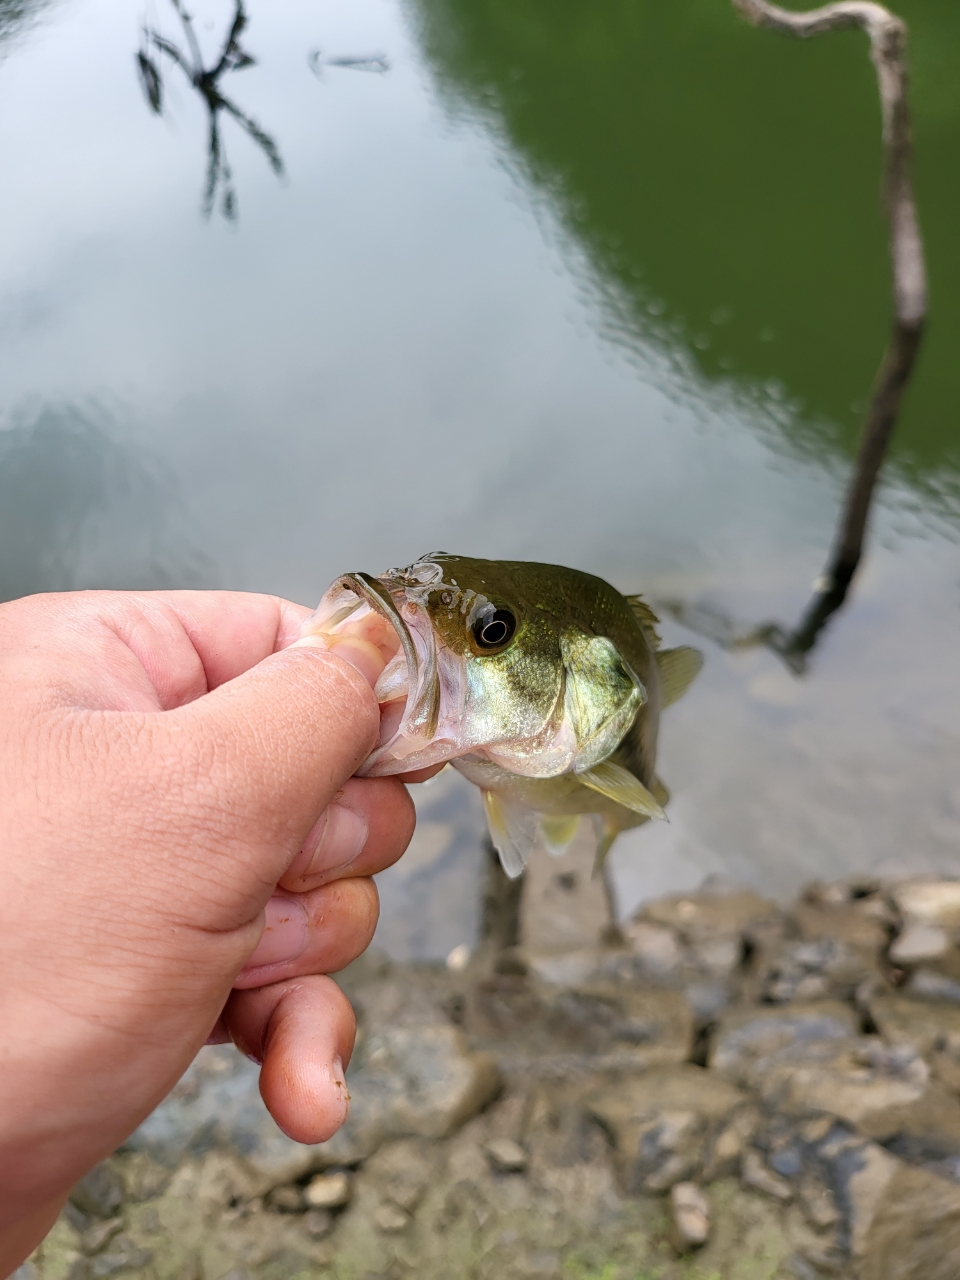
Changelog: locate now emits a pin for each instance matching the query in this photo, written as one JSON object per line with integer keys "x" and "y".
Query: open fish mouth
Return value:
{"x": 420, "y": 690}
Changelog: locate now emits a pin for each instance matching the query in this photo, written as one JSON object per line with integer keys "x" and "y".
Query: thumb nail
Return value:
{"x": 284, "y": 933}
{"x": 363, "y": 656}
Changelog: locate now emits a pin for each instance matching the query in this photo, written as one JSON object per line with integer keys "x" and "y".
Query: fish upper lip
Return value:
{"x": 422, "y": 712}
{"x": 376, "y": 595}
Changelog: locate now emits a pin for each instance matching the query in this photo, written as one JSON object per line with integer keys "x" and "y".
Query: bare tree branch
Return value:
{"x": 888, "y": 51}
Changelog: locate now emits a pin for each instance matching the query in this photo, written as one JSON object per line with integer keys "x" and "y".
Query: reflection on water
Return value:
{"x": 17, "y": 16}
{"x": 206, "y": 81}
{"x": 77, "y": 509}
{"x": 724, "y": 183}
{"x": 509, "y": 335}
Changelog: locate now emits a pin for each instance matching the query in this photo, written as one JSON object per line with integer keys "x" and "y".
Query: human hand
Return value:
{"x": 183, "y": 852}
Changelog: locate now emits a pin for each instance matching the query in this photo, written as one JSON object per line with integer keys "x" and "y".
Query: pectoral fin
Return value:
{"x": 513, "y": 830}
{"x": 677, "y": 670}
{"x": 558, "y": 831}
{"x": 619, "y": 785}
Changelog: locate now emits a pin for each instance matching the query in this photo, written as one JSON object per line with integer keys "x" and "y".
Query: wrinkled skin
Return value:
{"x": 184, "y": 856}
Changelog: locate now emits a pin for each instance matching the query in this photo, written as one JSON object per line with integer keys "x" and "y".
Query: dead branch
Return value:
{"x": 888, "y": 51}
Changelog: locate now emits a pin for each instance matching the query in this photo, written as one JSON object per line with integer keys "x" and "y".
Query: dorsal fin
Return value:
{"x": 677, "y": 670}
{"x": 647, "y": 619}
{"x": 619, "y": 784}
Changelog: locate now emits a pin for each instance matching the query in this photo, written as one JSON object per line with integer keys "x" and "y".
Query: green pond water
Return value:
{"x": 600, "y": 284}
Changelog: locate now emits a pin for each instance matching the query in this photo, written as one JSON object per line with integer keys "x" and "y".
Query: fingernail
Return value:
{"x": 336, "y": 841}
{"x": 338, "y": 1079}
{"x": 360, "y": 654}
{"x": 284, "y": 933}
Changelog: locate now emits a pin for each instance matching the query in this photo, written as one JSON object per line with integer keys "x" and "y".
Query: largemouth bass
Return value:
{"x": 542, "y": 685}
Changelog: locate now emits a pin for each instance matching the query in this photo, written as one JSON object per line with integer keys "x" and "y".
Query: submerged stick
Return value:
{"x": 888, "y": 48}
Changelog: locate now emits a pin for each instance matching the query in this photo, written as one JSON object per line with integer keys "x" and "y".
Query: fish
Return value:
{"x": 542, "y": 685}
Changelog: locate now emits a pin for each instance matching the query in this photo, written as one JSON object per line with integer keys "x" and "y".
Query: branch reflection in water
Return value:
{"x": 79, "y": 510}
{"x": 888, "y": 46}
{"x": 206, "y": 81}
{"x": 378, "y": 63}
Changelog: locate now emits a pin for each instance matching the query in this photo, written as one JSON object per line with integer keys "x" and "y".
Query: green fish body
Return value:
{"x": 543, "y": 685}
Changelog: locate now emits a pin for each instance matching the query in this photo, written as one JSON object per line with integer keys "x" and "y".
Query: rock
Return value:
{"x": 100, "y": 1234}
{"x": 328, "y": 1191}
{"x": 920, "y": 943}
{"x": 402, "y": 1170}
{"x": 635, "y": 1027}
{"x": 505, "y": 1155}
{"x": 318, "y": 1223}
{"x": 725, "y": 1156}
{"x": 288, "y": 1199}
{"x": 808, "y": 971}
{"x": 690, "y": 1217}
{"x": 845, "y": 922}
{"x": 700, "y": 916}
{"x": 143, "y": 1177}
{"x": 925, "y": 1026}
{"x": 755, "y": 1174}
{"x": 934, "y": 902}
{"x": 926, "y": 984}
{"x": 100, "y": 1192}
{"x": 217, "y": 1104}
{"x": 418, "y": 1079}
{"x": 655, "y": 946}
{"x": 123, "y": 1255}
{"x": 745, "y": 1036}
{"x": 661, "y": 1121}
{"x": 862, "y": 1172}
{"x": 817, "y": 1203}
{"x": 390, "y": 1218}
{"x": 930, "y": 914}
{"x": 421, "y": 1080}
{"x": 914, "y": 1233}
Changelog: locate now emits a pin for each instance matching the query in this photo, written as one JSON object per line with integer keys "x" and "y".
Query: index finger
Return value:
{"x": 232, "y": 631}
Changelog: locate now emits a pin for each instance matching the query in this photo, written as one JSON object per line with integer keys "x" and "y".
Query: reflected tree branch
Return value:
{"x": 206, "y": 80}
{"x": 888, "y": 51}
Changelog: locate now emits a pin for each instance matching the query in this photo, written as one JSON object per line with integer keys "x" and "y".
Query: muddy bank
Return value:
{"x": 721, "y": 1088}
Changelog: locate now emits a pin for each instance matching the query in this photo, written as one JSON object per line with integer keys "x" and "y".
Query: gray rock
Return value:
{"x": 661, "y": 1122}
{"x": 855, "y": 923}
{"x": 506, "y": 1156}
{"x": 930, "y": 914}
{"x": 808, "y": 970}
{"x": 287, "y": 1199}
{"x": 318, "y": 1223}
{"x": 639, "y": 1028}
{"x": 924, "y": 1026}
{"x": 100, "y": 1192}
{"x": 914, "y": 1234}
{"x": 725, "y": 1154}
{"x": 756, "y": 1175}
{"x": 100, "y": 1234}
{"x": 926, "y": 984}
{"x": 404, "y": 1080}
{"x": 745, "y": 1037}
{"x": 123, "y": 1255}
{"x": 390, "y": 1218}
{"x": 862, "y": 1172}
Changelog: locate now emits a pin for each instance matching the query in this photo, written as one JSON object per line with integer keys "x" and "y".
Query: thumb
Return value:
{"x": 263, "y": 755}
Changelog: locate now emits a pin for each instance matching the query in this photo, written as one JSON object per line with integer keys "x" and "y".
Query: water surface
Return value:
{"x": 605, "y": 286}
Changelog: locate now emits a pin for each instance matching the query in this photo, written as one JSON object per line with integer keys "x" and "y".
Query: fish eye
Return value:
{"x": 494, "y": 630}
